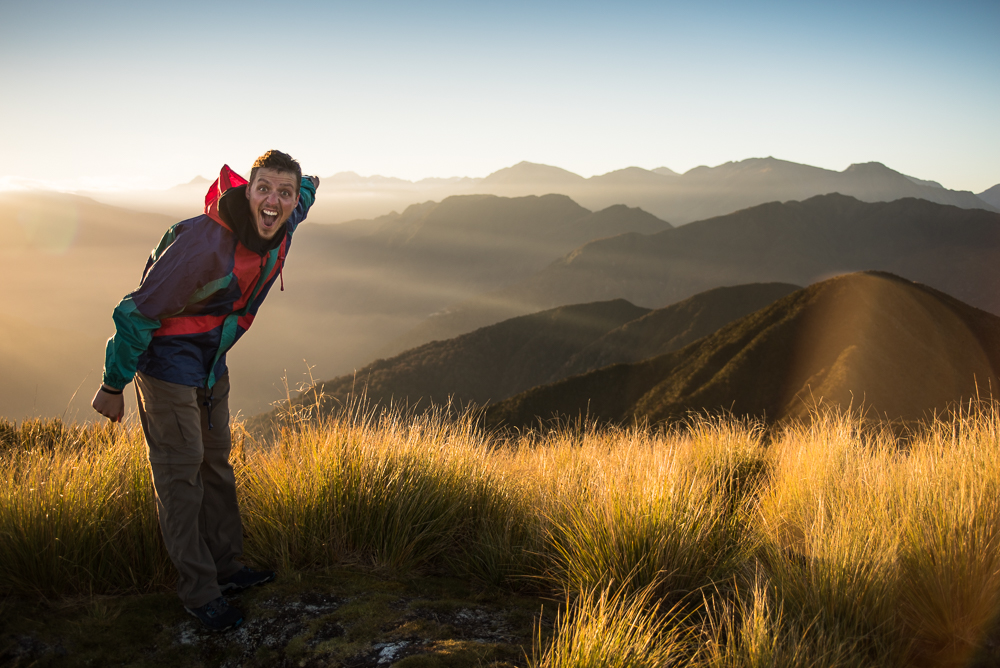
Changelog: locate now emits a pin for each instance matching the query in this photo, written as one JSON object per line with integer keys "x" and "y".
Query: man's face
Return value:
{"x": 272, "y": 198}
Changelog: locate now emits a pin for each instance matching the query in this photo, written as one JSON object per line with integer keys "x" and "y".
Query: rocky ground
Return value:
{"x": 334, "y": 618}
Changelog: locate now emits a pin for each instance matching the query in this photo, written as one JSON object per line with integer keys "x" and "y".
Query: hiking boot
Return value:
{"x": 245, "y": 578}
{"x": 218, "y": 615}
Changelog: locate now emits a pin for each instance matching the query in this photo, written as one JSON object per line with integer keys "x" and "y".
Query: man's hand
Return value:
{"x": 314, "y": 179}
{"x": 111, "y": 406}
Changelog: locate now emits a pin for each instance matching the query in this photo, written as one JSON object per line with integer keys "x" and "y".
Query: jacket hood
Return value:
{"x": 234, "y": 209}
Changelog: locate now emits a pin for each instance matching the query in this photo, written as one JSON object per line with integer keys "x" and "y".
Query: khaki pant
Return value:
{"x": 194, "y": 483}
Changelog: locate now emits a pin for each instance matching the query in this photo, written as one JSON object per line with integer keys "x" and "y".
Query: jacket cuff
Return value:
{"x": 112, "y": 380}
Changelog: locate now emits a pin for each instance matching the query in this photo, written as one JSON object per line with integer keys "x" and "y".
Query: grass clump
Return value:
{"x": 610, "y": 628}
{"x": 641, "y": 509}
{"x": 77, "y": 513}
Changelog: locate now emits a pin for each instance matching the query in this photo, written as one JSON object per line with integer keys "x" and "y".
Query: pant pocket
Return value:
{"x": 171, "y": 422}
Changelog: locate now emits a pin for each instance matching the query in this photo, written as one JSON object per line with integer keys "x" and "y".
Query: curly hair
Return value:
{"x": 281, "y": 162}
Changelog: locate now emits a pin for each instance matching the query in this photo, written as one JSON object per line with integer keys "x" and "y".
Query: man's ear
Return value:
{"x": 247, "y": 192}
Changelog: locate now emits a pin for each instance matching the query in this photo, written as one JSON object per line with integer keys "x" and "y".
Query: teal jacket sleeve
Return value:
{"x": 133, "y": 332}
{"x": 307, "y": 195}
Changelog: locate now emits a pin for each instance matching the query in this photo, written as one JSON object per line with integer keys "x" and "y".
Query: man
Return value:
{"x": 199, "y": 293}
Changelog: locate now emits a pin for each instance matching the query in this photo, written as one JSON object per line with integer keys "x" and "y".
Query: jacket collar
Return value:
{"x": 234, "y": 209}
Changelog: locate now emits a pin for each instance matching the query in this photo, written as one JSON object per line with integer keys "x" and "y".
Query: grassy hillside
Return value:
{"x": 705, "y": 545}
{"x": 673, "y": 327}
{"x": 897, "y": 348}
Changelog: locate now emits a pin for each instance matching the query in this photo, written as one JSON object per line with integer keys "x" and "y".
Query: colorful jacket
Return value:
{"x": 199, "y": 293}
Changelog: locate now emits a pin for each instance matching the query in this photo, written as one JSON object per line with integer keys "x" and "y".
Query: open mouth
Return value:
{"x": 268, "y": 217}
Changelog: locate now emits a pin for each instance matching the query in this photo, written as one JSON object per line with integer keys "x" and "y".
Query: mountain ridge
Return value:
{"x": 991, "y": 196}
{"x": 849, "y": 341}
{"x": 699, "y": 193}
{"x": 952, "y": 249}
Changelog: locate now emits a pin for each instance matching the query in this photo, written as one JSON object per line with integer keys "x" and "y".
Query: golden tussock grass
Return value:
{"x": 711, "y": 543}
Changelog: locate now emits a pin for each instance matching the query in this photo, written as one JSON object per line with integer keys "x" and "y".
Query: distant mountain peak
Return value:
{"x": 991, "y": 196}
{"x": 631, "y": 170}
{"x": 531, "y": 171}
{"x": 751, "y": 165}
{"x": 768, "y": 162}
{"x": 870, "y": 167}
{"x": 630, "y": 176}
{"x": 197, "y": 182}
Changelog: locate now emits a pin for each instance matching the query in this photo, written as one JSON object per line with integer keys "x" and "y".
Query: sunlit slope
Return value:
{"x": 900, "y": 349}
{"x": 952, "y": 249}
{"x": 58, "y": 222}
{"x": 673, "y": 327}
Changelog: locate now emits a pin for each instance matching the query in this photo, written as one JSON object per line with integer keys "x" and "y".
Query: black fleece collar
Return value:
{"x": 234, "y": 209}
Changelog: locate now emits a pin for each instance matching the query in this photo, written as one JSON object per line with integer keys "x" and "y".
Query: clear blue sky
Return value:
{"x": 145, "y": 94}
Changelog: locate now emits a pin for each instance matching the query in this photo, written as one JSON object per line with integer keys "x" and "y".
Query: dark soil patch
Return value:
{"x": 331, "y": 618}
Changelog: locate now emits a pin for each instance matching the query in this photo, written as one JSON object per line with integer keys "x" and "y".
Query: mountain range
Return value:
{"x": 705, "y": 192}
{"x": 952, "y": 249}
{"x": 702, "y": 192}
{"x": 870, "y": 341}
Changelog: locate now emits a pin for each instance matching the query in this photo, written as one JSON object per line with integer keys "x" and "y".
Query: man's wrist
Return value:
{"x": 107, "y": 389}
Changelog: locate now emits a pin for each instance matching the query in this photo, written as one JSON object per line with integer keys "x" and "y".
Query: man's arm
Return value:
{"x": 133, "y": 333}
{"x": 307, "y": 195}
{"x": 181, "y": 267}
